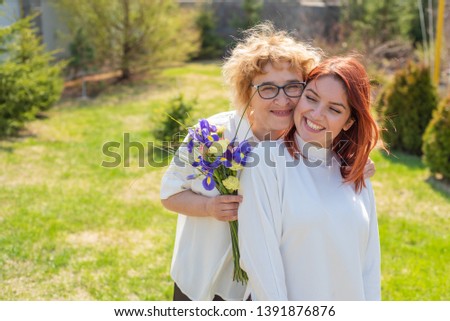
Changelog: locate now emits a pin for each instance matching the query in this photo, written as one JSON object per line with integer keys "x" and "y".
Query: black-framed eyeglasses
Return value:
{"x": 270, "y": 91}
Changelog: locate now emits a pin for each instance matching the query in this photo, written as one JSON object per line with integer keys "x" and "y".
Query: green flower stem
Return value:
{"x": 243, "y": 115}
{"x": 239, "y": 274}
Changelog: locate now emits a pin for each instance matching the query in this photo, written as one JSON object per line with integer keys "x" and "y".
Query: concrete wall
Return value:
{"x": 54, "y": 33}
{"x": 308, "y": 19}
{"x": 9, "y": 12}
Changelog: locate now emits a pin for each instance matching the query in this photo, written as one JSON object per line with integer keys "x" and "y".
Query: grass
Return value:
{"x": 71, "y": 229}
{"x": 413, "y": 213}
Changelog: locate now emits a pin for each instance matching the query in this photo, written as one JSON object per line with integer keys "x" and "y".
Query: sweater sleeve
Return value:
{"x": 371, "y": 272}
{"x": 175, "y": 179}
{"x": 260, "y": 230}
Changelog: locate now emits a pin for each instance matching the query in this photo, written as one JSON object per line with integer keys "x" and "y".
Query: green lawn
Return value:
{"x": 71, "y": 229}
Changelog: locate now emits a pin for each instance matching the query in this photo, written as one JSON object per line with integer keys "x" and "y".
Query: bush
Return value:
{"x": 406, "y": 107}
{"x": 173, "y": 127}
{"x": 436, "y": 141}
{"x": 28, "y": 82}
{"x": 81, "y": 52}
{"x": 211, "y": 44}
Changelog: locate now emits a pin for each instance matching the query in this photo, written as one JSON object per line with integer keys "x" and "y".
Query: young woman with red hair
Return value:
{"x": 307, "y": 223}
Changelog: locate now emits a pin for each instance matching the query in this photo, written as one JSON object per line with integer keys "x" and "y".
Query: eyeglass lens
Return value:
{"x": 271, "y": 91}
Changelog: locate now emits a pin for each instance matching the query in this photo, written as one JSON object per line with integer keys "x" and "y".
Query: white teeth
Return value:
{"x": 313, "y": 126}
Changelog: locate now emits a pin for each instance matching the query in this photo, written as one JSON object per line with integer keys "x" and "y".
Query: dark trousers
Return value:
{"x": 180, "y": 296}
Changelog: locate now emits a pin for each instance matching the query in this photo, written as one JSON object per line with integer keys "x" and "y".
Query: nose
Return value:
{"x": 281, "y": 98}
{"x": 317, "y": 112}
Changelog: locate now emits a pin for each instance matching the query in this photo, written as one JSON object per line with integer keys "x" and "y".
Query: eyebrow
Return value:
{"x": 331, "y": 102}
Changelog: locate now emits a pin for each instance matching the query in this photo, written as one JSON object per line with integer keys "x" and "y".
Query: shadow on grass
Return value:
{"x": 440, "y": 185}
{"x": 7, "y": 142}
{"x": 111, "y": 94}
{"x": 112, "y": 88}
{"x": 41, "y": 115}
{"x": 402, "y": 158}
{"x": 6, "y": 149}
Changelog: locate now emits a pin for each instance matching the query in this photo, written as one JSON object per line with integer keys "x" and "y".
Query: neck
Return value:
{"x": 313, "y": 151}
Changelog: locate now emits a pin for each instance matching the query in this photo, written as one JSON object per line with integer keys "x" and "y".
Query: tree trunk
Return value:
{"x": 125, "y": 65}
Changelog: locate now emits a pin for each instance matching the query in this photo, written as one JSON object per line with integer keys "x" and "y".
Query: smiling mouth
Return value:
{"x": 282, "y": 113}
{"x": 313, "y": 126}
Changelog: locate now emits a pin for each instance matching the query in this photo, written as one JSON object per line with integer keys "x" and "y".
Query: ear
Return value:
{"x": 348, "y": 124}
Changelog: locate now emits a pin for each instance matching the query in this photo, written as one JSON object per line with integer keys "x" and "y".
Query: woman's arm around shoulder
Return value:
{"x": 372, "y": 261}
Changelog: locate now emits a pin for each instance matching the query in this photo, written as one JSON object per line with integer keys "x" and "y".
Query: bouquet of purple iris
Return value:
{"x": 219, "y": 161}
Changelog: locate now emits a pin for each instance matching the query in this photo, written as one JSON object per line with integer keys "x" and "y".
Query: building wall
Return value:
{"x": 9, "y": 12}
{"x": 55, "y": 33}
{"x": 308, "y": 19}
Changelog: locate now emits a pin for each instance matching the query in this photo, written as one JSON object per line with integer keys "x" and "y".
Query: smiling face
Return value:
{"x": 274, "y": 115}
{"x": 322, "y": 108}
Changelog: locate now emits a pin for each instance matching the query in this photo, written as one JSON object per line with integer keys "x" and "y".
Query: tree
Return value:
{"x": 133, "y": 35}
{"x": 252, "y": 10}
{"x": 30, "y": 81}
{"x": 212, "y": 45}
{"x": 81, "y": 52}
{"x": 415, "y": 31}
{"x": 374, "y": 22}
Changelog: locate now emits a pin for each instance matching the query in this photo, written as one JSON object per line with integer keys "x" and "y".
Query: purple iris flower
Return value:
{"x": 209, "y": 166}
{"x": 241, "y": 152}
{"x": 227, "y": 158}
{"x": 197, "y": 162}
{"x": 190, "y": 145}
{"x": 208, "y": 182}
{"x": 204, "y": 124}
{"x": 206, "y": 134}
{"x": 208, "y": 169}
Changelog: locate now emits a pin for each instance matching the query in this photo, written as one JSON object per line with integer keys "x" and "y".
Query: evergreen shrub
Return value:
{"x": 173, "y": 127}
{"x": 29, "y": 82}
{"x": 405, "y": 107}
{"x": 436, "y": 140}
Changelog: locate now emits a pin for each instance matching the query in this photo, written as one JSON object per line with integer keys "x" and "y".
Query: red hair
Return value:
{"x": 354, "y": 145}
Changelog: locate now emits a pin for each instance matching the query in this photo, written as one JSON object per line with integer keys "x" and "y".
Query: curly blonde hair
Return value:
{"x": 261, "y": 45}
